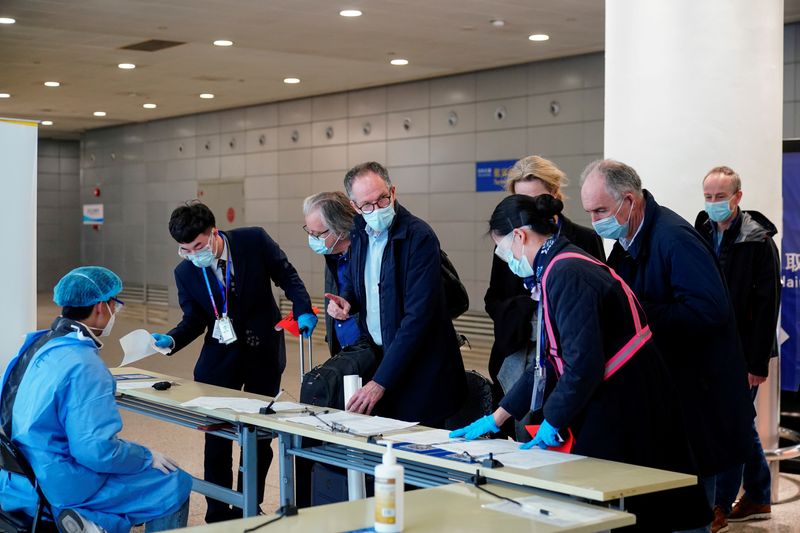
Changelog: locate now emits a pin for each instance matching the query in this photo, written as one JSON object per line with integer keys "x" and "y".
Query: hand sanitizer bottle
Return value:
{"x": 389, "y": 494}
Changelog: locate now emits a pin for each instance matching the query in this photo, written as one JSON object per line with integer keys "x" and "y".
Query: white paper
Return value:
{"x": 352, "y": 422}
{"x": 535, "y": 458}
{"x": 481, "y": 447}
{"x": 287, "y": 406}
{"x": 242, "y": 405}
{"x": 137, "y": 345}
{"x": 551, "y": 511}
{"x": 427, "y": 437}
{"x": 127, "y": 385}
{"x": 351, "y": 384}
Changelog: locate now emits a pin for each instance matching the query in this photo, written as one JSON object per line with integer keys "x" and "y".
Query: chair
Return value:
{"x": 12, "y": 460}
{"x": 478, "y": 402}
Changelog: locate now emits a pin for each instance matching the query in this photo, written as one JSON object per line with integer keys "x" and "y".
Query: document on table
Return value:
{"x": 137, "y": 345}
{"x": 551, "y": 511}
{"x": 426, "y": 437}
{"x": 127, "y": 385}
{"x": 351, "y": 423}
{"x": 535, "y": 458}
{"x": 242, "y": 405}
{"x": 481, "y": 447}
{"x": 287, "y": 406}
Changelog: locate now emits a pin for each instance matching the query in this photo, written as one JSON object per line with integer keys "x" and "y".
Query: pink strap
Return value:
{"x": 639, "y": 339}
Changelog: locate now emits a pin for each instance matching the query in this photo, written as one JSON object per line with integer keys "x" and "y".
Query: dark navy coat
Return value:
{"x": 672, "y": 271}
{"x": 258, "y": 356}
{"x": 422, "y": 369}
{"x": 632, "y": 417}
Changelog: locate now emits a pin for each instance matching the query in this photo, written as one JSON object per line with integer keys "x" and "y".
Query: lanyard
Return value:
{"x": 223, "y": 290}
{"x": 540, "y": 338}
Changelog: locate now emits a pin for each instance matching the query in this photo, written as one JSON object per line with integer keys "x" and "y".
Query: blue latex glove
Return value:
{"x": 163, "y": 341}
{"x": 546, "y": 436}
{"x": 480, "y": 427}
{"x": 307, "y": 322}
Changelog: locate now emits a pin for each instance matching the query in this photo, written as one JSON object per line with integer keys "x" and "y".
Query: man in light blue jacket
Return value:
{"x": 58, "y": 407}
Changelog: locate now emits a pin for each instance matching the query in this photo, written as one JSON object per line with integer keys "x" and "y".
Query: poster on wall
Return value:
{"x": 491, "y": 175}
{"x": 93, "y": 214}
{"x": 789, "y": 335}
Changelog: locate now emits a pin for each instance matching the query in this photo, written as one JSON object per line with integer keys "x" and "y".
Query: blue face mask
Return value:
{"x": 317, "y": 245}
{"x": 609, "y": 228}
{"x": 202, "y": 258}
{"x": 380, "y": 219}
{"x": 719, "y": 211}
{"x": 520, "y": 267}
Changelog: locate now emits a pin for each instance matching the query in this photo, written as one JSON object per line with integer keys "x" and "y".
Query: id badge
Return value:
{"x": 226, "y": 333}
{"x": 539, "y": 382}
{"x": 215, "y": 333}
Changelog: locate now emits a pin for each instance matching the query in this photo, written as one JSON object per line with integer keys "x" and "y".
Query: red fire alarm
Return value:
{"x": 96, "y": 192}
{"x": 231, "y": 214}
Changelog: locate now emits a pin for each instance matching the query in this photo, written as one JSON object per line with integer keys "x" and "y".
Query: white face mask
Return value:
{"x": 107, "y": 330}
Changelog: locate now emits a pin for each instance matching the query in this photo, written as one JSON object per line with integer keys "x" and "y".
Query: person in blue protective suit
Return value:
{"x": 613, "y": 391}
{"x": 224, "y": 290}
{"x": 58, "y": 407}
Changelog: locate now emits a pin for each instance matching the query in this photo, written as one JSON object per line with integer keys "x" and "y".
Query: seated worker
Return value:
{"x": 58, "y": 408}
{"x": 613, "y": 390}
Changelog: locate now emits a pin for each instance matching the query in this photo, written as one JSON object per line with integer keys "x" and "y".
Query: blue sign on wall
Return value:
{"x": 790, "y": 269}
{"x": 491, "y": 175}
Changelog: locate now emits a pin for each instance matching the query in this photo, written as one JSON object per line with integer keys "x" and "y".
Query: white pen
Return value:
{"x": 275, "y": 398}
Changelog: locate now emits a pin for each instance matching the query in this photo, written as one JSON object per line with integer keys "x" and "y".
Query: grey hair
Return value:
{"x": 359, "y": 170}
{"x": 736, "y": 181}
{"x": 620, "y": 178}
{"x": 334, "y": 208}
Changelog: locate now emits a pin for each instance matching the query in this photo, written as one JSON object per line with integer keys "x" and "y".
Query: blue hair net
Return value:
{"x": 85, "y": 286}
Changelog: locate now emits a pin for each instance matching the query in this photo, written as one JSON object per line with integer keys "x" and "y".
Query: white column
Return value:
{"x": 695, "y": 84}
{"x": 18, "y": 145}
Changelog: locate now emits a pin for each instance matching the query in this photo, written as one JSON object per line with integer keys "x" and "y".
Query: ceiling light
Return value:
{"x": 149, "y": 106}
{"x": 399, "y": 62}
{"x": 5, "y": 95}
{"x": 498, "y": 23}
{"x": 207, "y": 96}
{"x": 7, "y": 20}
{"x": 52, "y": 84}
{"x": 46, "y": 123}
{"x": 127, "y": 66}
{"x": 291, "y": 81}
{"x": 99, "y": 113}
{"x": 539, "y": 37}
{"x": 350, "y": 13}
{"x": 223, "y": 42}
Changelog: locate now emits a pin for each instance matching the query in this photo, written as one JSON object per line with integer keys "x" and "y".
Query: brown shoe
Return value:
{"x": 746, "y": 509}
{"x": 720, "y": 523}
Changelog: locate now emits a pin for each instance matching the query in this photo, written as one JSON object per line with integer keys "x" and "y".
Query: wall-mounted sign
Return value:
{"x": 92, "y": 214}
{"x": 491, "y": 175}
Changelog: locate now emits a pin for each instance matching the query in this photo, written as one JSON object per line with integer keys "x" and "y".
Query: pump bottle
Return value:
{"x": 389, "y": 494}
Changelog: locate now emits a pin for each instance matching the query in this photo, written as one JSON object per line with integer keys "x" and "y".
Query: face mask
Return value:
{"x": 609, "y": 228}
{"x": 520, "y": 267}
{"x": 719, "y": 211}
{"x": 317, "y": 245}
{"x": 380, "y": 219}
{"x": 107, "y": 330}
{"x": 205, "y": 257}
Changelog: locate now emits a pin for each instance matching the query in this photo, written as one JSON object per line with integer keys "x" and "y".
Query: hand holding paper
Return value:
{"x": 137, "y": 345}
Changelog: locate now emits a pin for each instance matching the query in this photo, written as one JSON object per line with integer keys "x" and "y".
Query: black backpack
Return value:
{"x": 322, "y": 385}
{"x": 455, "y": 294}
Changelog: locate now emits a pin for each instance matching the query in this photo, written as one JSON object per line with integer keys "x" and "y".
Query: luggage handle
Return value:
{"x": 303, "y": 356}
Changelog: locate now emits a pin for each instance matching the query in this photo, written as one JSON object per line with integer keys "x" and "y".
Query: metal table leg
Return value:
{"x": 248, "y": 442}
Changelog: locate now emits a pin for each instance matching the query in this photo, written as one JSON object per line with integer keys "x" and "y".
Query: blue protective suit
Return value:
{"x": 65, "y": 421}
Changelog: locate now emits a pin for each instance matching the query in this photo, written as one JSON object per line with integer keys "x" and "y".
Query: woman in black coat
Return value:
{"x": 613, "y": 390}
{"x": 507, "y": 300}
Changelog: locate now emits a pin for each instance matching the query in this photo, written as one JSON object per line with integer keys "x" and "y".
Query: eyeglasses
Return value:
{"x": 186, "y": 254}
{"x": 369, "y": 207}
{"x": 315, "y": 234}
{"x": 119, "y": 303}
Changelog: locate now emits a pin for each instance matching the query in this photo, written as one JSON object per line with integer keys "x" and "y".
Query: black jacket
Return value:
{"x": 509, "y": 305}
{"x": 258, "y": 355}
{"x": 422, "y": 369}
{"x": 751, "y": 265}
{"x": 632, "y": 417}
{"x": 672, "y": 271}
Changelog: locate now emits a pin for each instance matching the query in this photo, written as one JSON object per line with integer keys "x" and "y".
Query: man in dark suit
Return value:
{"x": 224, "y": 289}
{"x": 394, "y": 282}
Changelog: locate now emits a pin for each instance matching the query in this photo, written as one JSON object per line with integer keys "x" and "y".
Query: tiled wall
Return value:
{"x": 58, "y": 225}
{"x": 286, "y": 151}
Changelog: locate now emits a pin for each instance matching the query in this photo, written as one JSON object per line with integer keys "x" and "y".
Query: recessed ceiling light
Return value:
{"x": 350, "y": 13}
{"x": 7, "y": 20}
{"x": 149, "y": 106}
{"x": 291, "y": 81}
{"x": 5, "y": 95}
{"x": 99, "y": 113}
{"x": 498, "y": 23}
{"x": 52, "y": 84}
{"x": 46, "y": 123}
{"x": 207, "y": 96}
{"x": 127, "y": 66}
{"x": 223, "y": 42}
{"x": 399, "y": 62}
{"x": 539, "y": 37}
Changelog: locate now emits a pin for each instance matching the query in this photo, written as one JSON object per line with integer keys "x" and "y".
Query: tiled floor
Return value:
{"x": 186, "y": 446}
